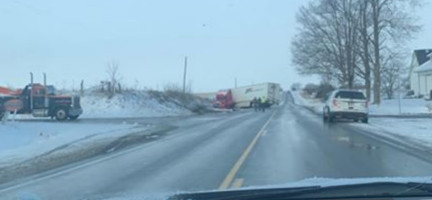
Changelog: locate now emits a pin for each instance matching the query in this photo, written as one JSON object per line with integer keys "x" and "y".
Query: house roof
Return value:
{"x": 425, "y": 67}
{"x": 422, "y": 55}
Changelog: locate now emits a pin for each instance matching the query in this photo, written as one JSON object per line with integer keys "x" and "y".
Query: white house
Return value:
{"x": 421, "y": 72}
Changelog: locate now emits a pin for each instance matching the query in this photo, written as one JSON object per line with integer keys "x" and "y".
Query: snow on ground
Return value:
{"x": 408, "y": 106}
{"x": 129, "y": 105}
{"x": 417, "y": 131}
{"x": 23, "y": 140}
{"x": 302, "y": 99}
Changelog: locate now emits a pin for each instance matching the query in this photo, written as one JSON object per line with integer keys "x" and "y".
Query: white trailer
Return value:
{"x": 243, "y": 96}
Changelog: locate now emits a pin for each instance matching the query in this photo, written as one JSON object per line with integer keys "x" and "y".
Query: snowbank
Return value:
{"x": 134, "y": 104}
{"x": 23, "y": 140}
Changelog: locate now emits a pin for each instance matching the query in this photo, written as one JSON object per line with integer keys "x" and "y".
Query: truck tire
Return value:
{"x": 1, "y": 115}
{"x": 60, "y": 114}
{"x": 73, "y": 117}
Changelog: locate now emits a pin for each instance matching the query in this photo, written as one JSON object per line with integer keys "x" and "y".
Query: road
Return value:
{"x": 221, "y": 151}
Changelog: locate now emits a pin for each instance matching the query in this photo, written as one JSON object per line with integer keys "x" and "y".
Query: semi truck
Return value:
{"x": 40, "y": 101}
{"x": 224, "y": 99}
{"x": 242, "y": 97}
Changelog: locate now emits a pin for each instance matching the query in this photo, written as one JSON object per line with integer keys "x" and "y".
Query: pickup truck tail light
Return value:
{"x": 335, "y": 103}
{"x": 367, "y": 104}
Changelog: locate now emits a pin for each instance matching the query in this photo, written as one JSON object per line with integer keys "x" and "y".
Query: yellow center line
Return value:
{"x": 238, "y": 182}
{"x": 230, "y": 177}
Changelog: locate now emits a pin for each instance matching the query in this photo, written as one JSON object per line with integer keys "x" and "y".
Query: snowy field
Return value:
{"x": 417, "y": 131}
{"x": 23, "y": 140}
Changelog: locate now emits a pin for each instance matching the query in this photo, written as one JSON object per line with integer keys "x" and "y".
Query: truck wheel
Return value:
{"x": 73, "y": 117}
{"x": 365, "y": 120}
{"x": 1, "y": 115}
{"x": 60, "y": 114}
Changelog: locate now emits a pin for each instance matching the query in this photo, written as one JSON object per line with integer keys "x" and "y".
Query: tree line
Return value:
{"x": 352, "y": 42}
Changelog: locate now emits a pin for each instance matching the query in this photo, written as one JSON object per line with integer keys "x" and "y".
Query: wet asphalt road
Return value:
{"x": 221, "y": 151}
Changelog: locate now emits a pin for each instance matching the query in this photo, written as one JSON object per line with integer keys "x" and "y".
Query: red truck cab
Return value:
{"x": 224, "y": 99}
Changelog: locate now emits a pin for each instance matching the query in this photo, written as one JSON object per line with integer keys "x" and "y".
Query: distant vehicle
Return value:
{"x": 40, "y": 101}
{"x": 242, "y": 97}
{"x": 224, "y": 100}
{"x": 348, "y": 104}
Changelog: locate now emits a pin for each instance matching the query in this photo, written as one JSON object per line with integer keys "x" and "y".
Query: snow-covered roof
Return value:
{"x": 425, "y": 67}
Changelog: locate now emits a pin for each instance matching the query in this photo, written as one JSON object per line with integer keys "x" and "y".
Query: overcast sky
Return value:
{"x": 223, "y": 39}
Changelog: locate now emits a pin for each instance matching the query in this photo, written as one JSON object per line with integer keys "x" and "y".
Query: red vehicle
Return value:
{"x": 224, "y": 100}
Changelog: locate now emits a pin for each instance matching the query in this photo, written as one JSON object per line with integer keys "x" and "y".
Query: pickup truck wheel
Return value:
{"x": 73, "y": 117}
{"x": 60, "y": 114}
{"x": 365, "y": 120}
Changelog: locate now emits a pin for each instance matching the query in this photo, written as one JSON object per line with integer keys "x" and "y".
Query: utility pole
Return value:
{"x": 184, "y": 75}
{"x": 31, "y": 91}
{"x": 399, "y": 91}
{"x": 46, "y": 101}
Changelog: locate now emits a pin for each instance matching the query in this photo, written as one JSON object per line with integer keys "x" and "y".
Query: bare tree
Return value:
{"x": 327, "y": 40}
{"x": 112, "y": 71}
{"x": 392, "y": 24}
{"x": 392, "y": 68}
{"x": 344, "y": 40}
{"x": 363, "y": 49}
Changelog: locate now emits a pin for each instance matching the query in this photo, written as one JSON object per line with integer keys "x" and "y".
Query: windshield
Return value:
{"x": 350, "y": 95}
{"x": 220, "y": 97}
{"x": 140, "y": 99}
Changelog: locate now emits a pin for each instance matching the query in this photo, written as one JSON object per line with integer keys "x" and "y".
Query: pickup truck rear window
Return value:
{"x": 350, "y": 95}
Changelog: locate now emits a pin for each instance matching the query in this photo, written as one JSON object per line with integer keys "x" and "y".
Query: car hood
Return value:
{"x": 306, "y": 183}
{"x": 329, "y": 182}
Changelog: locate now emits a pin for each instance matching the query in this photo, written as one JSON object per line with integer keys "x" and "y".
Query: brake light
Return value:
{"x": 367, "y": 104}
{"x": 335, "y": 102}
